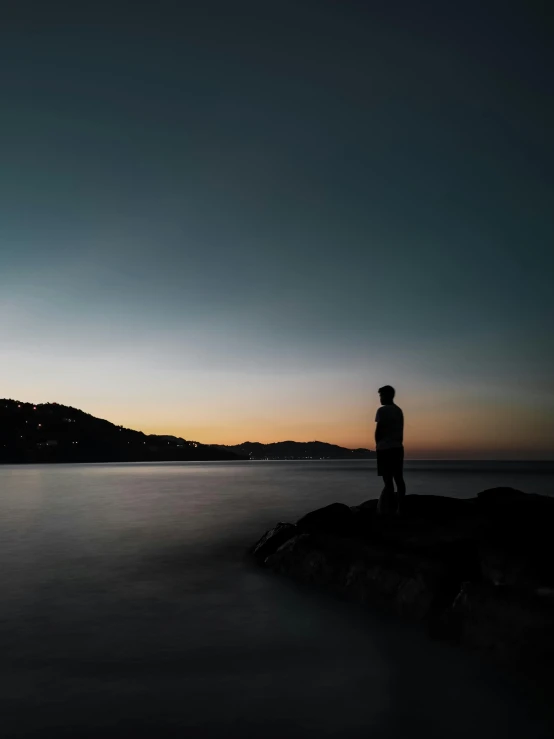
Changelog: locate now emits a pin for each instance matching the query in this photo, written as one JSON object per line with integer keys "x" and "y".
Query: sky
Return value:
{"x": 235, "y": 221}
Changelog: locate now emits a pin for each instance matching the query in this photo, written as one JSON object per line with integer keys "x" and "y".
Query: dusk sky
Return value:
{"x": 235, "y": 220}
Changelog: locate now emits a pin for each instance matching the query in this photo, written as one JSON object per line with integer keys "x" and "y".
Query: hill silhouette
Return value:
{"x": 298, "y": 450}
{"x": 49, "y": 432}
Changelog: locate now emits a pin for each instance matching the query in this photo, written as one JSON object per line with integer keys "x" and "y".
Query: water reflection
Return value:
{"x": 128, "y": 610}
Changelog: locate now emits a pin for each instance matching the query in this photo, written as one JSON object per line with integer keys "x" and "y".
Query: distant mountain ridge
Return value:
{"x": 298, "y": 450}
{"x": 50, "y": 432}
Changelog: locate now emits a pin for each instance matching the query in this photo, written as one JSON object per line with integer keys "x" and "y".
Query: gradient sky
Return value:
{"x": 235, "y": 220}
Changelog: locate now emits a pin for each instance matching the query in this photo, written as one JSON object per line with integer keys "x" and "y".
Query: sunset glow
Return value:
{"x": 245, "y": 246}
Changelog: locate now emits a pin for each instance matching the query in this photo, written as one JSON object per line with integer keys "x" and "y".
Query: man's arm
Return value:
{"x": 378, "y": 428}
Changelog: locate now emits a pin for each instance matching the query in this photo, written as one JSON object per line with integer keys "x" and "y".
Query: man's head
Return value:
{"x": 386, "y": 394}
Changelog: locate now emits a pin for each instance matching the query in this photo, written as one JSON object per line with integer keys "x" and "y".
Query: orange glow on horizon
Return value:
{"x": 437, "y": 436}
{"x": 437, "y": 425}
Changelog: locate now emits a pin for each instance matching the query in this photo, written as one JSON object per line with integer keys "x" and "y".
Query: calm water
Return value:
{"x": 127, "y": 609}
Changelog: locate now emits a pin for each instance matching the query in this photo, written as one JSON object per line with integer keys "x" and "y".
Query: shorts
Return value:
{"x": 390, "y": 462}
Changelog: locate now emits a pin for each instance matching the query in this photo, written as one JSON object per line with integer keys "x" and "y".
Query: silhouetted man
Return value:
{"x": 389, "y": 443}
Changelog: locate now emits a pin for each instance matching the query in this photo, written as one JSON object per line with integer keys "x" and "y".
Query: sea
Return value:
{"x": 128, "y": 608}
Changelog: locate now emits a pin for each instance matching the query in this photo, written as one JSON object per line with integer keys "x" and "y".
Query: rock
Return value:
{"x": 272, "y": 540}
{"x": 369, "y": 505}
{"x": 515, "y": 541}
{"x": 408, "y": 582}
{"x": 515, "y": 565}
{"x": 305, "y": 558}
{"x": 479, "y": 570}
{"x": 396, "y": 580}
{"x": 513, "y": 626}
{"x": 437, "y": 507}
{"x": 496, "y": 496}
{"x": 334, "y": 518}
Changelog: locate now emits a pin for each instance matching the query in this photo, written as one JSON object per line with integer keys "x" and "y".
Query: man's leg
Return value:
{"x": 398, "y": 473}
{"x": 386, "y": 500}
{"x": 400, "y": 489}
{"x": 388, "y": 481}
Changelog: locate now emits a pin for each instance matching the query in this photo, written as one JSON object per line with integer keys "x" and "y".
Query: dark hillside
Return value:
{"x": 50, "y": 432}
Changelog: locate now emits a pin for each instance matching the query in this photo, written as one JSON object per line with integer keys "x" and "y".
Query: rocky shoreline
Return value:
{"x": 478, "y": 572}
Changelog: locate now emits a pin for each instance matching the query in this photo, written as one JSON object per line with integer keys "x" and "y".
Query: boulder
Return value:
{"x": 437, "y": 508}
{"x": 369, "y": 505}
{"x": 272, "y": 540}
{"x": 515, "y": 542}
{"x": 408, "y": 582}
{"x": 499, "y": 496}
{"x": 310, "y": 559}
{"x": 335, "y": 518}
{"x": 396, "y": 580}
{"x": 513, "y": 626}
{"x": 479, "y": 570}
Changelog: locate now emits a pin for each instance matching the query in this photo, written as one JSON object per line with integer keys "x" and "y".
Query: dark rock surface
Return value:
{"x": 272, "y": 540}
{"x": 479, "y": 571}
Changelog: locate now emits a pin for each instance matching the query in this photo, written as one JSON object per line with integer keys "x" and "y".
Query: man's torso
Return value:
{"x": 391, "y": 423}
